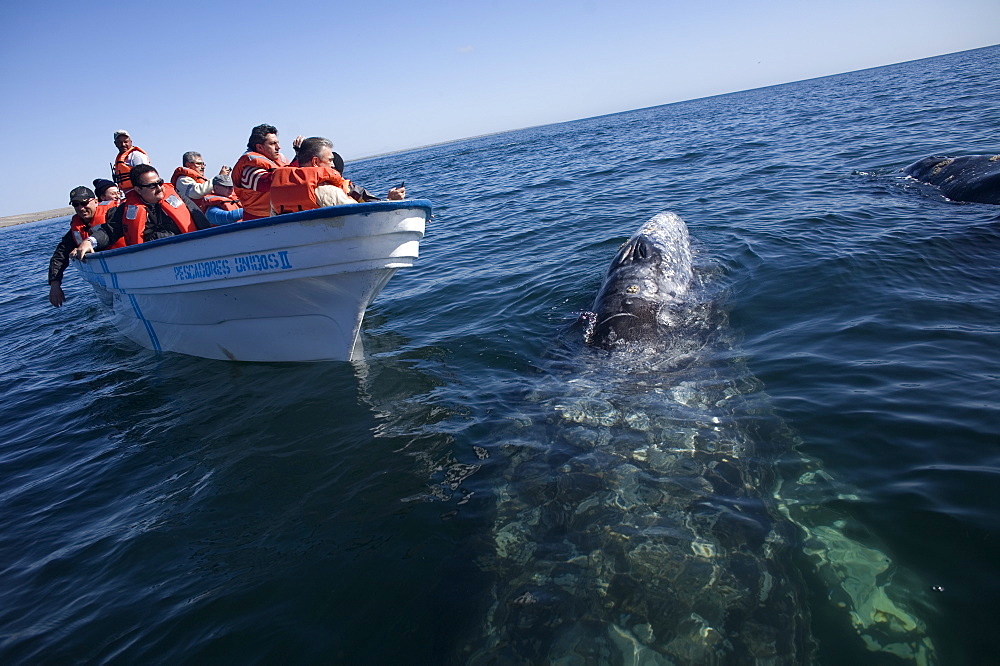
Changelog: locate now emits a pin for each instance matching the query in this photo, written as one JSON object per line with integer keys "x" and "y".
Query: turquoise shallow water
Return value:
{"x": 171, "y": 509}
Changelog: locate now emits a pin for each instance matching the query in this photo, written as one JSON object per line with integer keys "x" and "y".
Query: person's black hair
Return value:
{"x": 259, "y": 135}
{"x": 138, "y": 170}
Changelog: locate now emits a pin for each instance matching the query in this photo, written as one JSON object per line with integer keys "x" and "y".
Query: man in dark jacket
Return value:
{"x": 152, "y": 210}
{"x": 88, "y": 212}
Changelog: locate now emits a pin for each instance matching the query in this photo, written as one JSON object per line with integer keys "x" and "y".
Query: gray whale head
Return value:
{"x": 971, "y": 178}
{"x": 647, "y": 282}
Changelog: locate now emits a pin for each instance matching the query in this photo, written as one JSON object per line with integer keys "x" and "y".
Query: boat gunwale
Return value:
{"x": 326, "y": 212}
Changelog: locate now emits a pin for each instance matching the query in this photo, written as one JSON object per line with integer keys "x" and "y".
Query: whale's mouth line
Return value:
{"x": 617, "y": 314}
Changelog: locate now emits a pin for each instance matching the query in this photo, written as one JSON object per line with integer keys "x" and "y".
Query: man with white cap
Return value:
{"x": 128, "y": 157}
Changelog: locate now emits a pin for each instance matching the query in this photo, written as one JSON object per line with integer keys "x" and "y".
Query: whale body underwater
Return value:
{"x": 642, "y": 515}
{"x": 971, "y": 178}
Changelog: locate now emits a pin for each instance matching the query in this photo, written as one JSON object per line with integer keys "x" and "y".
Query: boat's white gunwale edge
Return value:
{"x": 288, "y": 218}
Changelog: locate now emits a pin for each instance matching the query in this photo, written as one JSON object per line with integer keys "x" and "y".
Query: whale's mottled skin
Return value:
{"x": 637, "y": 518}
{"x": 648, "y": 278}
{"x": 972, "y": 178}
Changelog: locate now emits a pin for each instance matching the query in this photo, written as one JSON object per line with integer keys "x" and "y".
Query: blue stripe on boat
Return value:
{"x": 153, "y": 340}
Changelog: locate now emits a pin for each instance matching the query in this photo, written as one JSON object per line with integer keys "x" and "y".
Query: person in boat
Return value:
{"x": 152, "y": 210}
{"x": 106, "y": 190}
{"x": 316, "y": 182}
{"x": 89, "y": 214}
{"x": 190, "y": 182}
{"x": 128, "y": 156}
{"x": 222, "y": 206}
{"x": 252, "y": 172}
{"x": 359, "y": 194}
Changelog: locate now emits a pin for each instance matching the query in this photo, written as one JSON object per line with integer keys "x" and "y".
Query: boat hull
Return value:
{"x": 288, "y": 288}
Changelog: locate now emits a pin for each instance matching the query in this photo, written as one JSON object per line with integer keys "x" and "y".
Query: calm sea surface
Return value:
{"x": 167, "y": 509}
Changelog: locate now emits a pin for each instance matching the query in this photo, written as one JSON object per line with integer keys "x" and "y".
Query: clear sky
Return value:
{"x": 386, "y": 75}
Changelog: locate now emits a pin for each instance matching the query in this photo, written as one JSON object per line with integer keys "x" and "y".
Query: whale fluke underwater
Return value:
{"x": 651, "y": 507}
{"x": 971, "y": 178}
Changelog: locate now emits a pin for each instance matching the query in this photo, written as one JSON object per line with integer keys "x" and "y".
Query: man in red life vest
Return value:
{"x": 128, "y": 156}
{"x": 252, "y": 173}
{"x": 151, "y": 211}
{"x": 222, "y": 206}
{"x": 89, "y": 214}
{"x": 316, "y": 182}
{"x": 190, "y": 181}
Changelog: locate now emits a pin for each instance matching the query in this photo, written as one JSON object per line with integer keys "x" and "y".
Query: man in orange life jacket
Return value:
{"x": 222, "y": 206}
{"x": 316, "y": 182}
{"x": 190, "y": 181}
{"x": 128, "y": 156}
{"x": 252, "y": 173}
{"x": 89, "y": 214}
{"x": 150, "y": 211}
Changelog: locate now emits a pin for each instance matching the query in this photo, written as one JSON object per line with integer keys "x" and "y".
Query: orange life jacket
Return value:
{"x": 134, "y": 217}
{"x": 253, "y": 187}
{"x": 81, "y": 230}
{"x": 180, "y": 172}
{"x": 119, "y": 169}
{"x": 294, "y": 188}
{"x": 225, "y": 203}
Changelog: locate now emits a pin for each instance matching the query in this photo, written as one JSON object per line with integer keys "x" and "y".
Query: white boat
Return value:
{"x": 292, "y": 287}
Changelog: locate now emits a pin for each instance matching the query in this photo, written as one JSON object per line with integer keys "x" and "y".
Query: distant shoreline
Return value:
{"x": 11, "y": 220}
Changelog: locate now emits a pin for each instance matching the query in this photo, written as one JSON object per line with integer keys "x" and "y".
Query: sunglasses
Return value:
{"x": 84, "y": 202}
{"x": 155, "y": 183}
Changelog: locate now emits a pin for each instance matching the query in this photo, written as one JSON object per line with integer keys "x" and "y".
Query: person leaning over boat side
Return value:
{"x": 190, "y": 181}
{"x": 89, "y": 214}
{"x": 252, "y": 172}
{"x": 315, "y": 183}
{"x": 128, "y": 156}
{"x": 151, "y": 211}
{"x": 222, "y": 206}
{"x": 359, "y": 194}
{"x": 106, "y": 190}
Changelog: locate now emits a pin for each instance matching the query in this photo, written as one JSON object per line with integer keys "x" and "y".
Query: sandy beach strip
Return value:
{"x": 11, "y": 220}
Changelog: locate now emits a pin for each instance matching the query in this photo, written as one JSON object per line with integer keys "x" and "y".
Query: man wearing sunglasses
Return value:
{"x": 152, "y": 210}
{"x": 89, "y": 214}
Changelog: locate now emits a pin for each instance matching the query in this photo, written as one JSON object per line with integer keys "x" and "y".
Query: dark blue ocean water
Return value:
{"x": 166, "y": 509}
